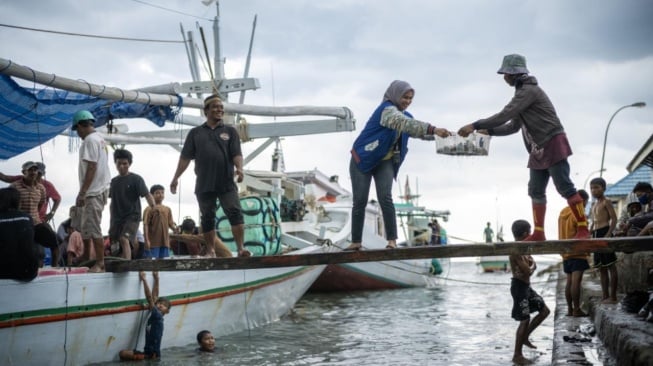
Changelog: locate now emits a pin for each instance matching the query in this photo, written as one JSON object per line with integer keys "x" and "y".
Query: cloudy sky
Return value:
{"x": 591, "y": 57}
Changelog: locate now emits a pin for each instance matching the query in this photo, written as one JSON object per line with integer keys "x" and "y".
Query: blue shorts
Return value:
{"x": 575, "y": 265}
{"x": 158, "y": 252}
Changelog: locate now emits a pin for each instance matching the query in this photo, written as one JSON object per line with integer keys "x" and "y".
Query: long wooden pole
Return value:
{"x": 627, "y": 245}
{"x": 7, "y": 67}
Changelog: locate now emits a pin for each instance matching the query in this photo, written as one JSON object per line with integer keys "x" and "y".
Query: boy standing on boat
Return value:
{"x": 159, "y": 306}
{"x": 215, "y": 147}
{"x": 531, "y": 111}
{"x": 525, "y": 299}
{"x": 126, "y": 191}
{"x": 94, "y": 180}
{"x": 156, "y": 222}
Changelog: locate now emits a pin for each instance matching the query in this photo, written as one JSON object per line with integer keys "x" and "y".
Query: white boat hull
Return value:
{"x": 84, "y": 318}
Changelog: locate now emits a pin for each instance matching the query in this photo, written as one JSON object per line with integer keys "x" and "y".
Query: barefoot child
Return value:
{"x": 525, "y": 299}
{"x": 604, "y": 220}
{"x": 156, "y": 222}
{"x": 206, "y": 341}
{"x": 159, "y": 306}
{"x": 573, "y": 264}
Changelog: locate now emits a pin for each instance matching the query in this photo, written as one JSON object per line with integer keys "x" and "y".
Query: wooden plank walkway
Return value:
{"x": 627, "y": 245}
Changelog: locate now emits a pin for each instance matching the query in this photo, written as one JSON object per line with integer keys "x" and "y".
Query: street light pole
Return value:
{"x": 605, "y": 139}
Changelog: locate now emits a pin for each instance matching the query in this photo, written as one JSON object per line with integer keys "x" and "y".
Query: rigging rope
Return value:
{"x": 170, "y": 10}
{"x": 90, "y": 35}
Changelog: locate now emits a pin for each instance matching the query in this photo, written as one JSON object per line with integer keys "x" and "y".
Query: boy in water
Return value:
{"x": 573, "y": 264}
{"x": 159, "y": 306}
{"x": 156, "y": 222}
{"x": 604, "y": 220}
{"x": 206, "y": 341}
{"x": 525, "y": 299}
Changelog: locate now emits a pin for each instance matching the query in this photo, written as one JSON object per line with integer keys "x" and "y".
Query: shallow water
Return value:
{"x": 465, "y": 320}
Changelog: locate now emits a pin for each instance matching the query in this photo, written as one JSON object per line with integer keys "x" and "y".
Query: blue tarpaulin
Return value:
{"x": 30, "y": 117}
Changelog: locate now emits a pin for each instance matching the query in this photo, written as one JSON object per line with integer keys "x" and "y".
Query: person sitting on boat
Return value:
{"x": 377, "y": 154}
{"x": 32, "y": 196}
{"x": 525, "y": 299}
{"x": 73, "y": 242}
{"x": 159, "y": 306}
{"x": 206, "y": 341}
{"x": 19, "y": 256}
{"x": 191, "y": 242}
{"x": 215, "y": 147}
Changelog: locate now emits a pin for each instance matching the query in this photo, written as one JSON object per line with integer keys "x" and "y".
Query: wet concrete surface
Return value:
{"x": 609, "y": 336}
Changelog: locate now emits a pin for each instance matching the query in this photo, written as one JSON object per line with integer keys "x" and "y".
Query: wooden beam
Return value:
{"x": 626, "y": 244}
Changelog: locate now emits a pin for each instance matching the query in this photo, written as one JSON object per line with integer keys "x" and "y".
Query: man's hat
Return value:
{"x": 513, "y": 64}
{"x": 30, "y": 164}
{"x": 82, "y": 116}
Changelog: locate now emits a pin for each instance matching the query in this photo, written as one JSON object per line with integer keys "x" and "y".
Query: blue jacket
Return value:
{"x": 375, "y": 141}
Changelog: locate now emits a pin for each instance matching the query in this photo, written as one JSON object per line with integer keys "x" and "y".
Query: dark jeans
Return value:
{"x": 539, "y": 179}
{"x": 383, "y": 175}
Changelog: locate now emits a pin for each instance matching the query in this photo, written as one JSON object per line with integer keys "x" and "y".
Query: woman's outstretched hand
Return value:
{"x": 442, "y": 132}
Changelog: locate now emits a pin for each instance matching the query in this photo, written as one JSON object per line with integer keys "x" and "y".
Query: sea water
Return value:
{"x": 462, "y": 320}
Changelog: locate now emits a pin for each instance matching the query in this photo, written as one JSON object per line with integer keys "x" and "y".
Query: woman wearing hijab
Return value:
{"x": 378, "y": 153}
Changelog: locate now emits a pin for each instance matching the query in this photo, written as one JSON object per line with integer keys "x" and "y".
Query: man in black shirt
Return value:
{"x": 215, "y": 147}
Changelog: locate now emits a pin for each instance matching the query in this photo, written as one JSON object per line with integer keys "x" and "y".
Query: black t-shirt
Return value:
{"x": 213, "y": 151}
{"x": 126, "y": 192}
{"x": 19, "y": 259}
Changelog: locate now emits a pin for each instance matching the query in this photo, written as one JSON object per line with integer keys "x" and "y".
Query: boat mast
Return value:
{"x": 218, "y": 59}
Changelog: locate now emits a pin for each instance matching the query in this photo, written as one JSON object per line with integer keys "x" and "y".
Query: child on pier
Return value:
{"x": 159, "y": 306}
{"x": 604, "y": 221}
{"x": 525, "y": 299}
{"x": 573, "y": 264}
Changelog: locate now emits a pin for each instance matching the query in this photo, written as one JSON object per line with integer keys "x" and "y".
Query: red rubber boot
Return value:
{"x": 539, "y": 210}
{"x": 578, "y": 209}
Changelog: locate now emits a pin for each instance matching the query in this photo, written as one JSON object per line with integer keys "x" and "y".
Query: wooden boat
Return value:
{"x": 75, "y": 319}
{"x": 336, "y": 201}
{"x": 80, "y": 318}
{"x": 494, "y": 263}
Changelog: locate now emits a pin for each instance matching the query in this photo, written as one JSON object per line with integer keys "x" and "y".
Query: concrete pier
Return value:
{"x": 610, "y": 335}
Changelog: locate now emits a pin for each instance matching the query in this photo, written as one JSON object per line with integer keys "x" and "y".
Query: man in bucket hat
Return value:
{"x": 531, "y": 111}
